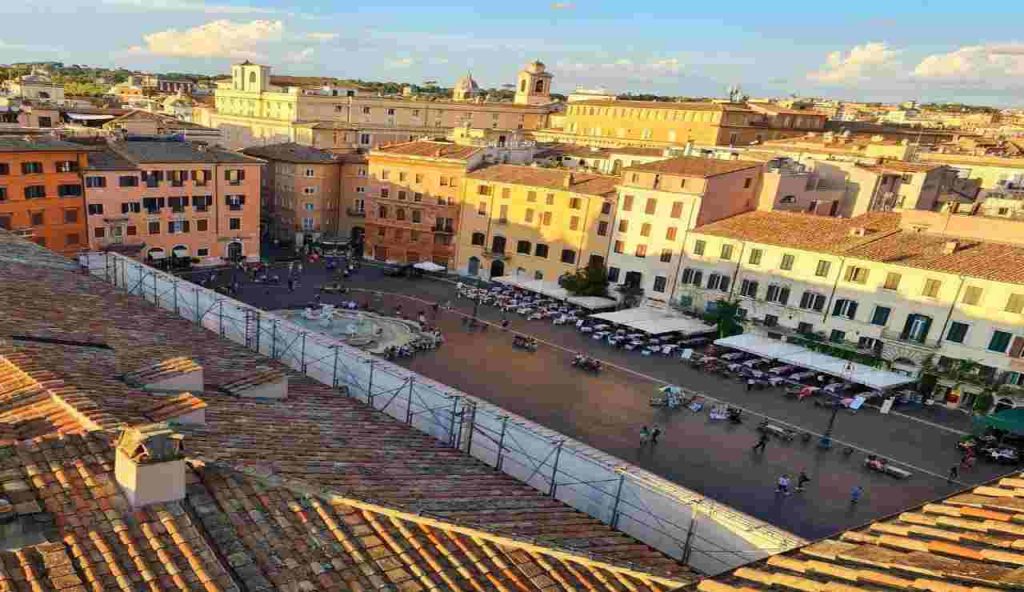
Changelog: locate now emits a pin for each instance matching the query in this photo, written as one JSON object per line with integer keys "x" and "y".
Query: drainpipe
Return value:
{"x": 736, "y": 271}
{"x": 835, "y": 287}
{"x": 583, "y": 233}
{"x": 949, "y": 313}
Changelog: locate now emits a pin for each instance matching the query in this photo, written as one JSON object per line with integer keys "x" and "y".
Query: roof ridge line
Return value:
{"x": 328, "y": 495}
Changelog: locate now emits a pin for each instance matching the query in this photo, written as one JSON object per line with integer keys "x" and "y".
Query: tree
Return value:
{"x": 725, "y": 315}
{"x": 589, "y": 281}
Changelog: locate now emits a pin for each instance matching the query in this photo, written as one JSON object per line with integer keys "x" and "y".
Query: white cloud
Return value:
{"x": 321, "y": 36}
{"x": 405, "y": 62}
{"x": 975, "y": 63}
{"x": 860, "y": 63}
{"x": 625, "y": 68}
{"x": 299, "y": 57}
{"x": 563, "y": 6}
{"x": 199, "y": 6}
{"x": 216, "y": 39}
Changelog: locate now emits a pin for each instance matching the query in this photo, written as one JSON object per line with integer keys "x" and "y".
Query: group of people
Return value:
{"x": 649, "y": 435}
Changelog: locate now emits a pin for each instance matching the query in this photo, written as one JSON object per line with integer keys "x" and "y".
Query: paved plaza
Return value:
{"x": 607, "y": 411}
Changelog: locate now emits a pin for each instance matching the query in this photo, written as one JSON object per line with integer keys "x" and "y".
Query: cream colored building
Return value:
{"x": 253, "y": 108}
{"x": 659, "y": 203}
{"x": 534, "y": 222}
{"x": 36, "y": 87}
{"x": 892, "y": 289}
{"x": 991, "y": 170}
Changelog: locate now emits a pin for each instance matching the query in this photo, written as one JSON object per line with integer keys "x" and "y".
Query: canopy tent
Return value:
{"x": 553, "y": 290}
{"x": 1008, "y": 420}
{"x": 89, "y": 116}
{"x": 795, "y": 355}
{"x": 429, "y": 266}
{"x": 654, "y": 322}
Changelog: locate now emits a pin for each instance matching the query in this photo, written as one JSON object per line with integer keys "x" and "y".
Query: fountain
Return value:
{"x": 365, "y": 330}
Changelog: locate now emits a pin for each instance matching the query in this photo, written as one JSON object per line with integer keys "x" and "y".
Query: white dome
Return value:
{"x": 466, "y": 84}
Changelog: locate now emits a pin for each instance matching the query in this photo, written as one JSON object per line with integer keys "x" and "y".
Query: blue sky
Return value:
{"x": 897, "y": 49}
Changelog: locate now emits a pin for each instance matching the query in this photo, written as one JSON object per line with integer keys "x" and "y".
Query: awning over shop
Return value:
{"x": 1009, "y": 420}
{"x": 795, "y": 355}
{"x": 654, "y": 322}
{"x": 553, "y": 290}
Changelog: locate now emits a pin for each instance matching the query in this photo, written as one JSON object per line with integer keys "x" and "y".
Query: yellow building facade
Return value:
{"x": 533, "y": 222}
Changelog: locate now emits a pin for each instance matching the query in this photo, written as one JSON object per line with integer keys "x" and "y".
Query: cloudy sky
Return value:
{"x": 897, "y": 49}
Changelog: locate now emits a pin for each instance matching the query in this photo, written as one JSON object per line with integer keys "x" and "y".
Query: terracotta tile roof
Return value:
{"x": 576, "y": 182}
{"x": 883, "y": 242}
{"x": 429, "y": 149}
{"x": 169, "y": 368}
{"x": 693, "y": 166}
{"x": 318, "y": 437}
{"x": 38, "y": 144}
{"x": 111, "y": 545}
{"x": 40, "y": 567}
{"x": 27, "y": 409}
{"x": 368, "y": 546}
{"x": 174, "y": 406}
{"x": 899, "y": 166}
{"x": 292, "y": 152}
{"x": 969, "y": 542}
{"x": 676, "y": 105}
{"x": 254, "y": 378}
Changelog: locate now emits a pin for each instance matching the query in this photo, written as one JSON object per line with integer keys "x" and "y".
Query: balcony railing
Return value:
{"x": 894, "y": 335}
{"x": 444, "y": 229}
{"x": 355, "y": 213}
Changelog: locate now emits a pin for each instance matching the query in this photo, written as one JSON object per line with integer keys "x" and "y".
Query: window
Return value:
{"x": 400, "y": 213}
{"x": 99, "y": 232}
{"x": 844, "y": 308}
{"x": 568, "y": 256}
{"x": 531, "y": 196}
{"x": 545, "y": 219}
{"x": 154, "y": 228}
{"x": 1000, "y": 341}
{"x": 717, "y": 281}
{"x": 540, "y": 250}
{"x": 692, "y": 276}
{"x": 93, "y": 182}
{"x": 478, "y": 239}
{"x": 837, "y": 336}
{"x": 916, "y": 328}
{"x": 892, "y": 281}
{"x": 523, "y": 247}
{"x": 645, "y": 230}
{"x": 755, "y": 256}
{"x": 366, "y": 110}
{"x": 613, "y": 274}
{"x": 880, "y": 316}
{"x": 602, "y": 228}
{"x": 309, "y": 190}
{"x": 856, "y": 275}
{"x": 234, "y": 202}
{"x": 401, "y": 195}
{"x": 417, "y": 216}
{"x": 660, "y": 282}
{"x": 234, "y": 223}
{"x": 72, "y": 238}
{"x": 95, "y": 209}
{"x": 677, "y": 210}
{"x": 575, "y": 203}
{"x": 812, "y": 301}
{"x": 310, "y": 206}
{"x": 549, "y": 199}
{"x": 726, "y": 252}
{"x": 931, "y": 288}
{"x": 823, "y": 268}
{"x": 1015, "y": 303}
{"x": 5, "y": 221}
{"x": 957, "y": 332}
{"x": 179, "y": 226}
{"x": 385, "y": 192}
{"x": 666, "y": 255}
{"x": 651, "y": 207}
{"x": 627, "y": 203}
{"x": 444, "y": 181}
{"x": 574, "y": 223}
{"x": 778, "y": 294}
{"x": 418, "y": 178}
{"x": 385, "y": 174}
{"x": 36, "y": 219}
{"x": 619, "y": 246}
{"x": 606, "y": 208}
{"x": 127, "y": 181}
{"x": 202, "y": 203}
{"x": 787, "y": 262}
{"x": 5, "y": 169}
{"x": 528, "y": 216}
{"x": 748, "y": 288}
{"x": 788, "y": 199}
{"x": 483, "y": 189}
{"x": 202, "y": 225}
{"x": 35, "y": 191}
{"x": 670, "y": 233}
{"x": 202, "y": 252}
{"x": 641, "y": 251}
{"x": 3, "y": 194}
{"x": 698, "y": 247}
{"x": 402, "y": 176}
{"x": 70, "y": 216}
{"x": 31, "y": 168}
{"x": 481, "y": 208}
{"x": 623, "y": 226}
{"x": 972, "y": 295}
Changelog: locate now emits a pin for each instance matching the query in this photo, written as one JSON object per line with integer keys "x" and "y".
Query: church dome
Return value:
{"x": 466, "y": 85}
{"x": 535, "y": 67}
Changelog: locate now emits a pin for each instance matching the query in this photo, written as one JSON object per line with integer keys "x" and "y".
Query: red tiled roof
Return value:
{"x": 899, "y": 166}
{"x": 969, "y": 542}
{"x": 174, "y": 406}
{"x": 693, "y": 166}
{"x": 171, "y": 367}
{"x": 40, "y": 567}
{"x": 576, "y": 182}
{"x": 429, "y": 149}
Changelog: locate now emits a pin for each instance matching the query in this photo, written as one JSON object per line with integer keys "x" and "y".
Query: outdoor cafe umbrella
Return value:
{"x": 1008, "y": 420}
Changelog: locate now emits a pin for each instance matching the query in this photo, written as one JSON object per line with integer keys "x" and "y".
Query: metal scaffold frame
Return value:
{"x": 657, "y": 512}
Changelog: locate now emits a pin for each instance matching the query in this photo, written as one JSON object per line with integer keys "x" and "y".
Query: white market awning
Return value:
{"x": 593, "y": 302}
{"x": 795, "y": 355}
{"x": 654, "y": 322}
{"x": 429, "y": 266}
{"x": 553, "y": 290}
{"x": 88, "y": 116}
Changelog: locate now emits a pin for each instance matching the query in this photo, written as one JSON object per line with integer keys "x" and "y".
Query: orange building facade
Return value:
{"x": 41, "y": 194}
{"x": 156, "y": 200}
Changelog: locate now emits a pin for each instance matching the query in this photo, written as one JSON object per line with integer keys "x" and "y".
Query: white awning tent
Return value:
{"x": 795, "y": 355}
{"x": 553, "y": 290}
{"x": 89, "y": 116}
{"x": 429, "y": 266}
{"x": 654, "y": 322}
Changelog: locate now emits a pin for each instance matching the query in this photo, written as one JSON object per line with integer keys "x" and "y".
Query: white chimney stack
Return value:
{"x": 149, "y": 464}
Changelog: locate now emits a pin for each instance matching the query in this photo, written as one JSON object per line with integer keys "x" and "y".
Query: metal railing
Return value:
{"x": 707, "y": 536}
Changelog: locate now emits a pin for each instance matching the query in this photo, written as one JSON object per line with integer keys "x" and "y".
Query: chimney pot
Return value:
{"x": 567, "y": 181}
{"x": 950, "y": 247}
{"x": 149, "y": 464}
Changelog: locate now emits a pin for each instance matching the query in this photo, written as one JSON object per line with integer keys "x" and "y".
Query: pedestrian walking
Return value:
{"x": 954, "y": 474}
{"x": 761, "y": 443}
{"x": 645, "y": 435}
{"x": 856, "y": 493}
{"x": 655, "y": 432}
{"x": 802, "y": 480}
{"x": 300, "y": 267}
{"x": 291, "y": 284}
{"x": 783, "y": 485}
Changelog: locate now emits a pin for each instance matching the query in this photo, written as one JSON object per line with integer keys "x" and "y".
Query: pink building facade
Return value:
{"x": 157, "y": 200}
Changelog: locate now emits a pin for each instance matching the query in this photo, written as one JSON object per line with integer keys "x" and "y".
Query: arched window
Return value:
{"x": 382, "y": 212}
{"x": 540, "y": 86}
{"x": 522, "y": 85}
{"x": 252, "y": 79}
{"x": 400, "y": 213}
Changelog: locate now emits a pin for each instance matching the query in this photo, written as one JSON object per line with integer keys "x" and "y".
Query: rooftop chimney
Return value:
{"x": 149, "y": 464}
{"x": 950, "y": 247}
{"x": 172, "y": 375}
{"x": 858, "y": 231}
{"x": 567, "y": 181}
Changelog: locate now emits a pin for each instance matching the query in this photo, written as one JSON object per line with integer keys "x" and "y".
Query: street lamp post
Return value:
{"x": 826, "y": 438}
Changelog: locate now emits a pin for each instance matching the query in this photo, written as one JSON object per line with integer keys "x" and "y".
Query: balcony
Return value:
{"x": 502, "y": 221}
{"x": 497, "y": 255}
{"x": 355, "y": 213}
{"x": 443, "y": 229}
{"x": 893, "y": 335}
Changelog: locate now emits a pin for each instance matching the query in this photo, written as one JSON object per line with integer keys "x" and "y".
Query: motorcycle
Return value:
{"x": 587, "y": 363}
{"x": 876, "y": 463}
{"x": 527, "y": 343}
{"x": 779, "y": 432}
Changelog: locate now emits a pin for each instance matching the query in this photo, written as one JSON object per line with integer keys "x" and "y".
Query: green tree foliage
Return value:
{"x": 589, "y": 281}
{"x": 725, "y": 315}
